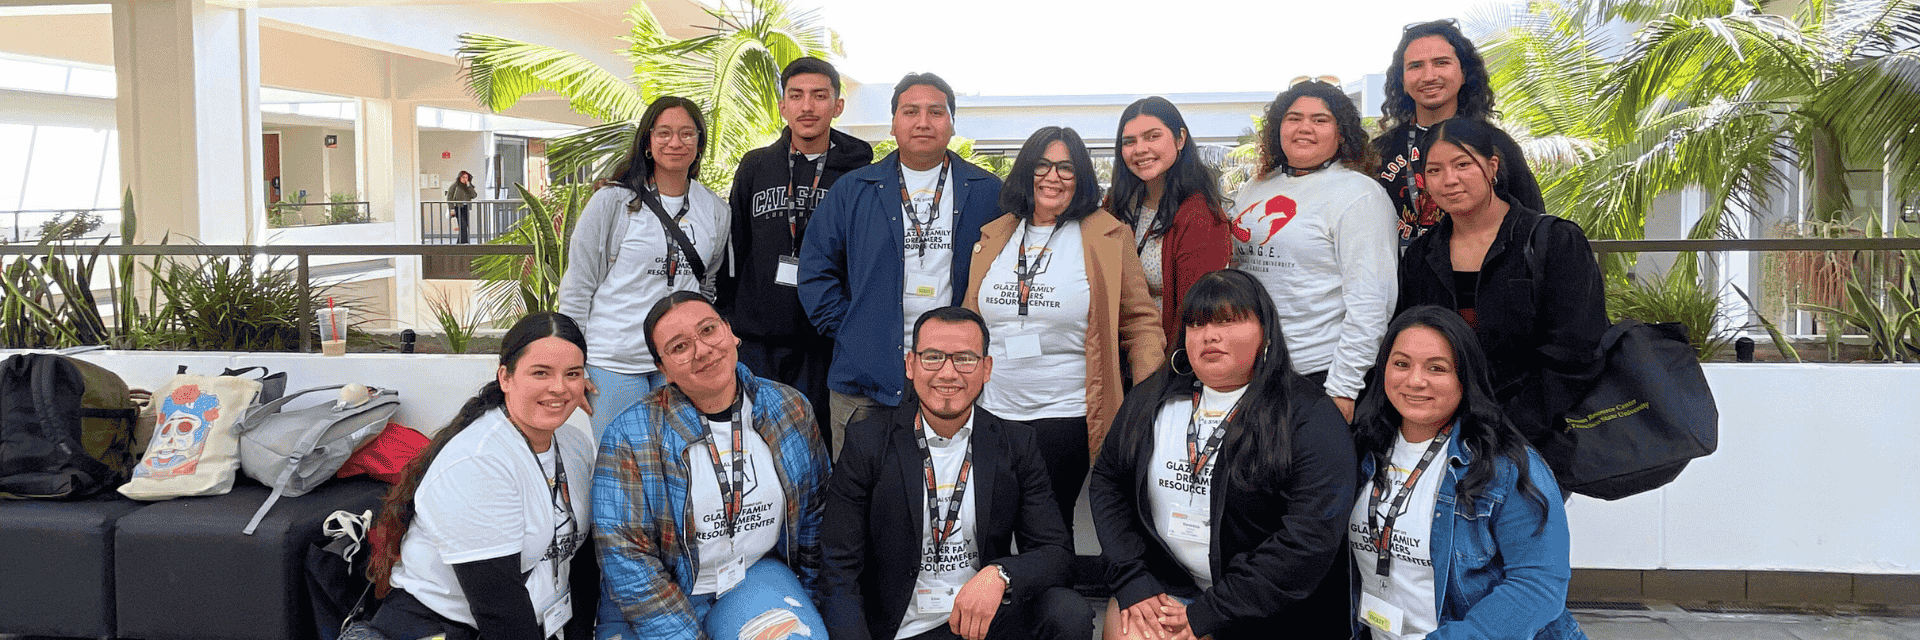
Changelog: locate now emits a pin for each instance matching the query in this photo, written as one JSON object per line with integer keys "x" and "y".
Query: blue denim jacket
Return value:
{"x": 1495, "y": 574}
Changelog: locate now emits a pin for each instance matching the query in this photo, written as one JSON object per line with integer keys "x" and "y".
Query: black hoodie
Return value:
{"x": 761, "y": 235}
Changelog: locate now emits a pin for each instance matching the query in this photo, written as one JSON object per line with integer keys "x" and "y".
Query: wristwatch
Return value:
{"x": 1003, "y": 576}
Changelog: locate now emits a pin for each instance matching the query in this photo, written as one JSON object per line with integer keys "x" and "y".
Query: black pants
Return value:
{"x": 1063, "y": 447}
{"x": 462, "y": 220}
{"x": 1058, "y": 613}
{"x": 799, "y": 362}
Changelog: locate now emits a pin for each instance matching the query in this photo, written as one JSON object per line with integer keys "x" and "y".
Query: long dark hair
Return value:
{"x": 1259, "y": 437}
{"x": 1484, "y": 428}
{"x": 396, "y": 510}
{"x": 1187, "y": 177}
{"x": 1354, "y": 152}
{"x": 636, "y": 170}
{"x": 1016, "y": 195}
{"x": 1477, "y": 137}
{"x": 1475, "y": 99}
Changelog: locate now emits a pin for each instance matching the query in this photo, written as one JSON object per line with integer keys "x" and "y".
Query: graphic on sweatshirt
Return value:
{"x": 1274, "y": 214}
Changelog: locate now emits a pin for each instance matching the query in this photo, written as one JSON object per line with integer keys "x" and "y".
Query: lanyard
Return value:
{"x": 1413, "y": 151}
{"x": 794, "y": 209}
{"x": 733, "y": 492}
{"x": 673, "y": 246}
{"x": 1383, "y": 532}
{"x": 1197, "y": 455}
{"x": 558, "y": 493}
{"x": 922, "y": 227}
{"x": 943, "y": 528}
{"x": 1021, "y": 273}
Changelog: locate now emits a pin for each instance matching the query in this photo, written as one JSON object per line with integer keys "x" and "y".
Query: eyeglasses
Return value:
{"x": 1332, "y": 80}
{"x": 686, "y": 136}
{"x": 1065, "y": 167}
{"x": 963, "y": 362}
{"x": 1445, "y": 21}
{"x": 713, "y": 333}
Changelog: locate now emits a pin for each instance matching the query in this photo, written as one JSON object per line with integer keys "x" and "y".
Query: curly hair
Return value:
{"x": 1353, "y": 153}
{"x": 1475, "y": 99}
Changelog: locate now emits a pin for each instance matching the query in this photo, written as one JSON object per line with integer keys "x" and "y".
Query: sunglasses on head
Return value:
{"x": 1329, "y": 79}
{"x": 1446, "y": 21}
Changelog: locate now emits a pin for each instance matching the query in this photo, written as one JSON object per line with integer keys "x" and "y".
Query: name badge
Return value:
{"x": 933, "y": 599}
{"x": 1378, "y": 614}
{"x": 557, "y": 614}
{"x": 1189, "y": 523}
{"x": 731, "y": 574}
{"x": 788, "y": 273}
{"x": 922, "y": 286}
{"x": 1023, "y": 346}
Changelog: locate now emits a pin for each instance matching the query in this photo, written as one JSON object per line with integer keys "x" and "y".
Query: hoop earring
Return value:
{"x": 1173, "y": 362}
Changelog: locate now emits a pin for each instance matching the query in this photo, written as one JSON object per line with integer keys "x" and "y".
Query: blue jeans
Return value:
{"x": 768, "y": 604}
{"x": 617, "y": 392}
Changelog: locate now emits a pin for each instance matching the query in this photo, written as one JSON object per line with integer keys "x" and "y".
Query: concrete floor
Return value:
{"x": 1667, "y": 621}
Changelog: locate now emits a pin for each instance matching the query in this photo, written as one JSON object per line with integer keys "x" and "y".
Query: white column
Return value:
{"x": 189, "y": 119}
{"x": 389, "y": 154}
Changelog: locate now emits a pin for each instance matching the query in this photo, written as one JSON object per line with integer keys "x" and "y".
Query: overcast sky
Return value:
{"x": 1021, "y": 47}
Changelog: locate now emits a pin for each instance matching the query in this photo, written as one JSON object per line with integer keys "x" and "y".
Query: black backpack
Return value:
{"x": 66, "y": 428}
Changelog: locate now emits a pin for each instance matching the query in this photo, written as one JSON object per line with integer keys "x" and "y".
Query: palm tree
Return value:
{"x": 733, "y": 73}
{"x": 1713, "y": 94}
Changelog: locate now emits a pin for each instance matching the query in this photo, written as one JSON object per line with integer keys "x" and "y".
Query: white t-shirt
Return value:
{"x": 723, "y": 560}
{"x": 959, "y": 558}
{"x": 1150, "y": 253}
{"x": 1179, "y": 502}
{"x": 928, "y": 277}
{"x": 1326, "y": 245}
{"x": 487, "y": 495}
{"x": 1041, "y": 358}
{"x": 1409, "y": 587}
{"x": 638, "y": 277}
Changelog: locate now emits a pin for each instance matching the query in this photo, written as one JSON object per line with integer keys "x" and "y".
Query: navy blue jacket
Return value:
{"x": 852, "y": 274}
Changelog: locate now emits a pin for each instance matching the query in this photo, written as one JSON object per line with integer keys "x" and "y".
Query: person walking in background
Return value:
{"x": 1458, "y": 531}
{"x": 462, "y": 193}
{"x": 1526, "y": 283}
{"x": 1058, "y": 281}
{"x": 653, "y": 229}
{"x": 707, "y": 494}
{"x": 479, "y": 534}
{"x": 1223, "y": 490}
{"x": 1172, "y": 201}
{"x": 775, "y": 191}
{"x": 1318, "y": 233}
{"x": 926, "y": 502}
{"x": 891, "y": 241}
{"x": 1436, "y": 74}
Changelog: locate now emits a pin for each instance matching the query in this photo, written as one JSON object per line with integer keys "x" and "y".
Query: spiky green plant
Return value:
{"x": 1680, "y": 297}
{"x": 456, "y": 328}
{"x": 512, "y": 286}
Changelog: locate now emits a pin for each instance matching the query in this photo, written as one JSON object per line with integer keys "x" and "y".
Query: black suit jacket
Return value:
{"x": 876, "y": 503}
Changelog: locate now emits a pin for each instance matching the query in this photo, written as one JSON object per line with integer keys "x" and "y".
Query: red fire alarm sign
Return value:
{"x": 445, "y": 155}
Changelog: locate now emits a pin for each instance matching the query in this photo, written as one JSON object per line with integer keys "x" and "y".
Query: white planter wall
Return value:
{"x": 1815, "y": 472}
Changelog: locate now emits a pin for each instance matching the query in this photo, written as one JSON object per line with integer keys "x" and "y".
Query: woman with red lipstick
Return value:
{"x": 1061, "y": 290}
{"x": 1458, "y": 531}
{"x": 478, "y": 536}
{"x": 1172, "y": 201}
{"x": 1225, "y": 486}
{"x": 654, "y": 229}
{"x": 1540, "y": 317}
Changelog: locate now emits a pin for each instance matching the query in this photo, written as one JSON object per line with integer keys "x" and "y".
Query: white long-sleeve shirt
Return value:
{"x": 1325, "y": 245}
{"x": 617, "y": 269}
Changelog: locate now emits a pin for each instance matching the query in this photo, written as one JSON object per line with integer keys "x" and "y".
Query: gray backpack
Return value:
{"x": 295, "y": 451}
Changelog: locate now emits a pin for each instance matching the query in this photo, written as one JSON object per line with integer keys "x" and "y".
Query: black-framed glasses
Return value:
{"x": 1329, "y": 79}
{"x": 963, "y": 362}
{"x": 1446, "y": 21}
{"x": 713, "y": 333}
{"x": 1043, "y": 167}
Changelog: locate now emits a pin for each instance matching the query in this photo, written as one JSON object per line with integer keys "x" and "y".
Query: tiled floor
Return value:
{"x": 1664, "y": 621}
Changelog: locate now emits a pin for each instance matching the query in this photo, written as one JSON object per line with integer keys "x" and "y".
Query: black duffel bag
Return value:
{"x": 1650, "y": 412}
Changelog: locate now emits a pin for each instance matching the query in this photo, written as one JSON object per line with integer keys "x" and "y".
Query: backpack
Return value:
{"x": 66, "y": 427}
{"x": 295, "y": 451}
{"x": 1649, "y": 412}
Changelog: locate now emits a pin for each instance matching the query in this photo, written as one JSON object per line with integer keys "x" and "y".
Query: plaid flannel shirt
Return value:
{"x": 643, "y": 523}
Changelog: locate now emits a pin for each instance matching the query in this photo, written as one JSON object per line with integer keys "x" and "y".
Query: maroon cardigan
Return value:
{"x": 1198, "y": 243}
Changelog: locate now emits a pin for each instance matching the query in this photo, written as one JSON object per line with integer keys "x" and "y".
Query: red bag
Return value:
{"x": 385, "y": 457}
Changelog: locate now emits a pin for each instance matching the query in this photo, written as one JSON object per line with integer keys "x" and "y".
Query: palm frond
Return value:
{"x": 501, "y": 71}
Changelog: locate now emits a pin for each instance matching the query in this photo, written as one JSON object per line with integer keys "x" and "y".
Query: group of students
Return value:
{"x": 859, "y": 400}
